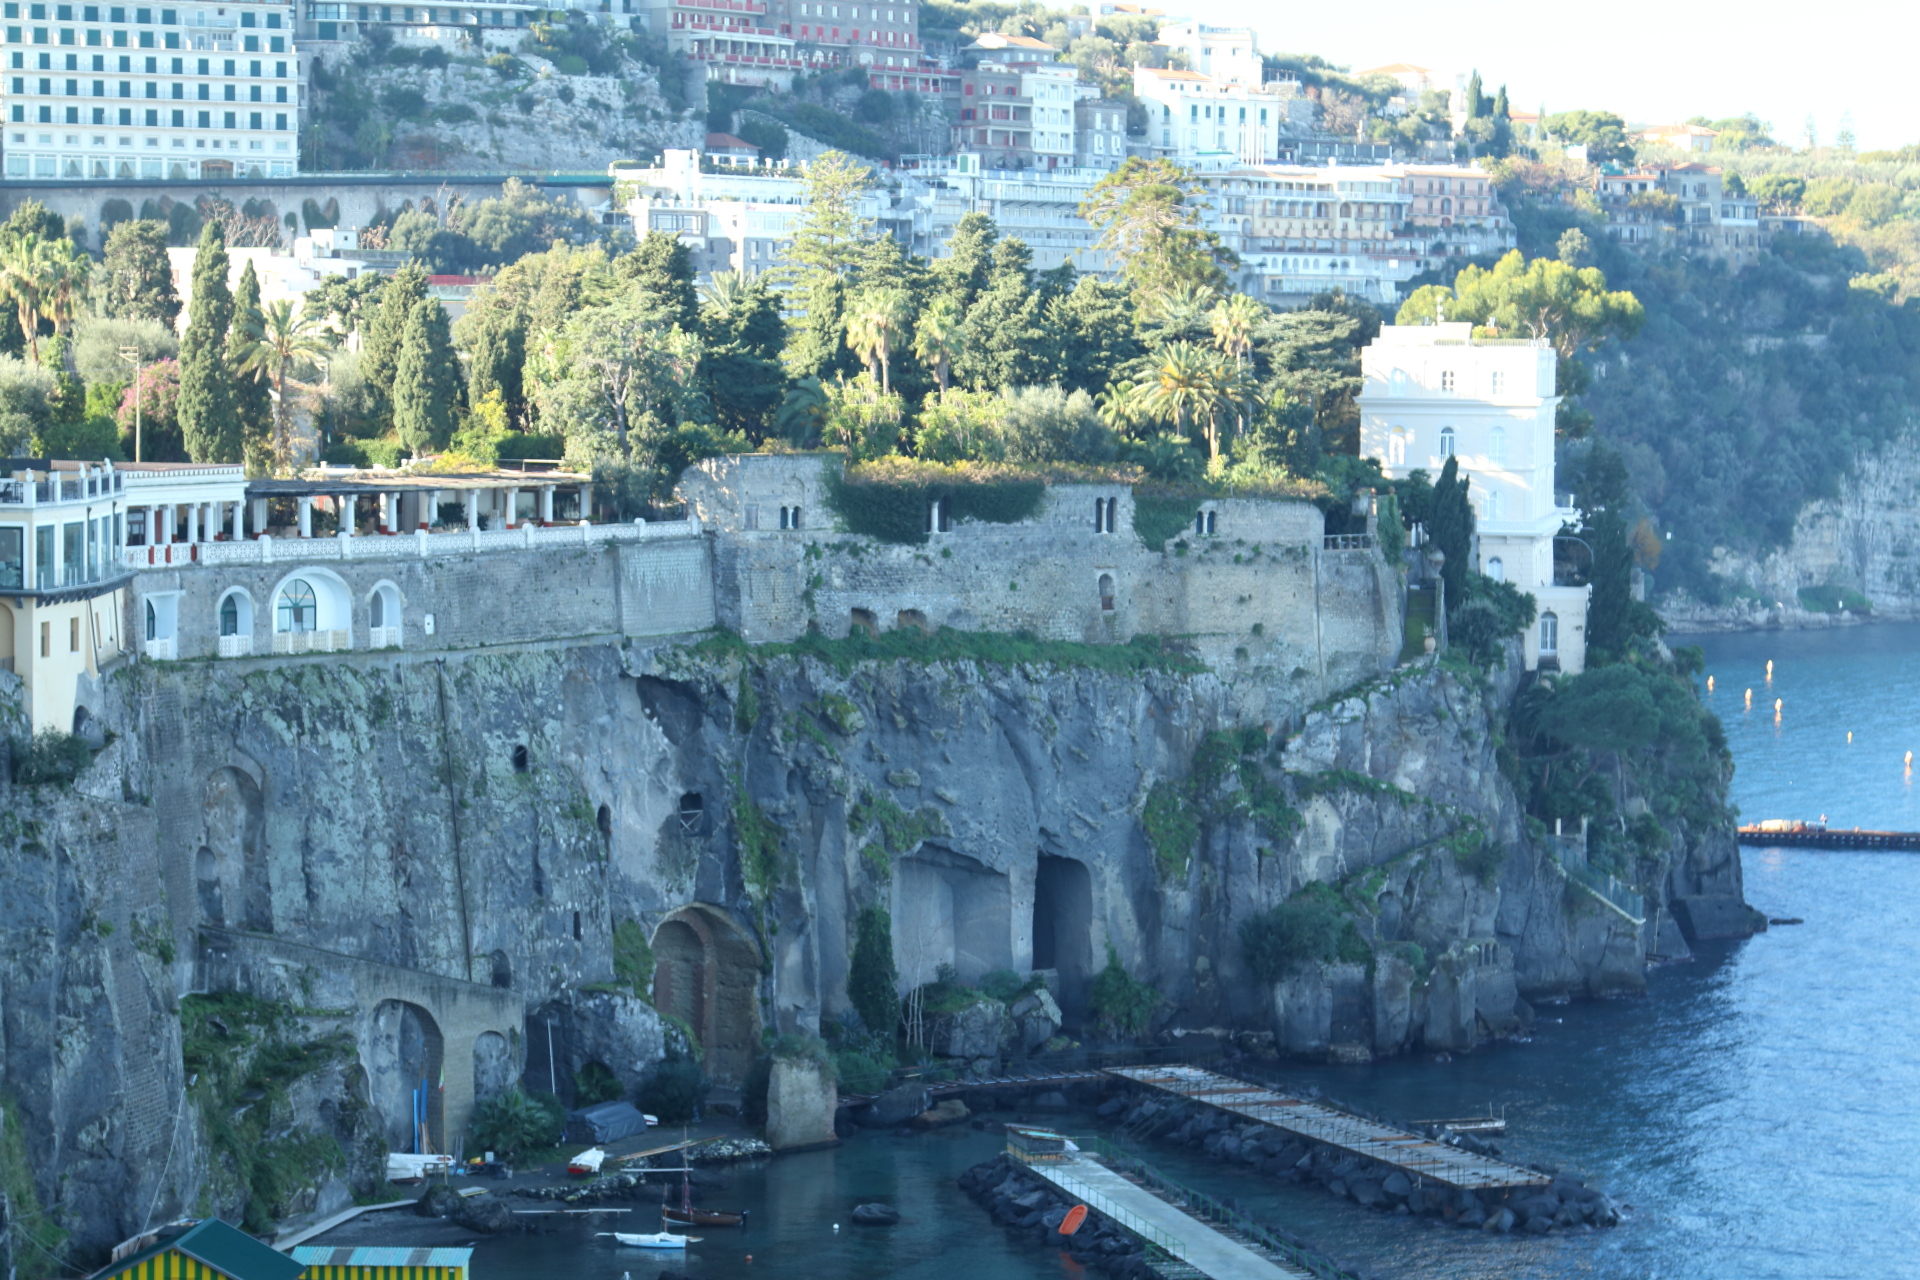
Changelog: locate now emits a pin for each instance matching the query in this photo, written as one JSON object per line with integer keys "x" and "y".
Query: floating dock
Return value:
{"x": 1811, "y": 837}
{"x": 1412, "y": 1153}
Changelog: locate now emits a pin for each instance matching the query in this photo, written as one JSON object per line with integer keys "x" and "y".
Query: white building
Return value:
{"x": 1197, "y": 119}
{"x": 180, "y": 92}
{"x": 1224, "y": 53}
{"x": 1434, "y": 391}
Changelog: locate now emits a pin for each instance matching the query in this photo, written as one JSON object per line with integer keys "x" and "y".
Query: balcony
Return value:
{"x": 312, "y": 641}
{"x": 723, "y": 6}
{"x": 159, "y": 650}
{"x": 236, "y": 646}
{"x": 383, "y": 637}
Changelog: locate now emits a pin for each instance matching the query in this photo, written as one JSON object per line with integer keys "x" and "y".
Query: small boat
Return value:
{"x": 703, "y": 1217}
{"x": 657, "y": 1240}
{"x": 587, "y": 1162}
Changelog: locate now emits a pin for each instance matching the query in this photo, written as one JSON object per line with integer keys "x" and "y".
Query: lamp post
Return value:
{"x": 131, "y": 355}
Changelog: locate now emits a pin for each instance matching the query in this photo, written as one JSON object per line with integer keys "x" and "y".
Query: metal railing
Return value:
{"x": 1612, "y": 891}
{"x": 1153, "y": 1236}
{"x": 1349, "y": 542}
{"x": 1207, "y": 1209}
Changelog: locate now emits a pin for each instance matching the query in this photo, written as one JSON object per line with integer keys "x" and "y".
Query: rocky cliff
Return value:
{"x": 1851, "y": 554}
{"x": 358, "y": 872}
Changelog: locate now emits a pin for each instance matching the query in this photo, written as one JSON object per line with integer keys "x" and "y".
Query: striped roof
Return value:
{"x": 210, "y": 1249}
{"x": 379, "y": 1256}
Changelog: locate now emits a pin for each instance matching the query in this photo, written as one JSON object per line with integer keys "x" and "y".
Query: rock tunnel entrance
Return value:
{"x": 1063, "y": 928}
{"x": 950, "y": 909}
{"x": 231, "y": 868}
{"x": 405, "y": 1064}
{"x": 707, "y": 972}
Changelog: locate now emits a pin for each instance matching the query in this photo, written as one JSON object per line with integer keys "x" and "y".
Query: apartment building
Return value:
{"x": 1700, "y": 218}
{"x": 1099, "y": 133}
{"x": 834, "y": 33}
{"x": 1016, "y": 107}
{"x": 1196, "y": 119}
{"x": 1231, "y": 54}
{"x": 177, "y": 92}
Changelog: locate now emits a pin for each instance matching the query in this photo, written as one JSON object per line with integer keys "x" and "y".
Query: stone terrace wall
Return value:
{"x": 1257, "y": 593}
{"x": 484, "y": 598}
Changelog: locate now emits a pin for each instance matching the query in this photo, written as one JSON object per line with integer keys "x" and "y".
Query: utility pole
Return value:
{"x": 132, "y": 356}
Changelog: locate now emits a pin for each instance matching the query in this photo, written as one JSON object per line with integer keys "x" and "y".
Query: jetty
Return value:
{"x": 1414, "y": 1154}
{"x": 1806, "y": 835}
{"x": 1180, "y": 1246}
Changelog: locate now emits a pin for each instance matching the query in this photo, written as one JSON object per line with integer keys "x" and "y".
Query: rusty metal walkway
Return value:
{"x": 1410, "y": 1152}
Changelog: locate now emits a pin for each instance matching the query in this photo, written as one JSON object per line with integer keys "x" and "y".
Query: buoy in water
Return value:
{"x": 1849, "y": 737}
{"x": 1909, "y": 759}
{"x": 1749, "y": 699}
{"x": 1709, "y": 684}
{"x": 1769, "y": 668}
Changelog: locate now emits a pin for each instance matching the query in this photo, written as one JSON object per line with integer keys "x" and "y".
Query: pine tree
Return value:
{"x": 426, "y": 380}
{"x": 380, "y": 345}
{"x": 139, "y": 278}
{"x": 252, "y": 394}
{"x": 209, "y": 420}
{"x": 660, "y": 268}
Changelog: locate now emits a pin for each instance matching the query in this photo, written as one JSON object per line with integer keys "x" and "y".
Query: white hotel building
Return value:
{"x": 1434, "y": 391}
{"x": 142, "y": 92}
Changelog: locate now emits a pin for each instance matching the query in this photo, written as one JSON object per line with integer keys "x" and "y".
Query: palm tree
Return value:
{"x": 276, "y": 343}
{"x": 27, "y": 275}
{"x": 725, "y": 291}
{"x": 1233, "y": 321}
{"x": 1233, "y": 388}
{"x": 939, "y": 337}
{"x": 1179, "y": 382}
{"x": 1180, "y": 305}
{"x": 68, "y": 270}
{"x": 874, "y": 324}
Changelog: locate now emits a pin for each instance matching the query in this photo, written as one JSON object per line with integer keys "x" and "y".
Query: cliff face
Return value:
{"x": 1865, "y": 540}
{"x": 423, "y": 866}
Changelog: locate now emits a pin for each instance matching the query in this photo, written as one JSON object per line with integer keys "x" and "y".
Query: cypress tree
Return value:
{"x": 386, "y": 333}
{"x": 252, "y": 395}
{"x": 660, "y": 269}
{"x": 426, "y": 380}
{"x": 209, "y": 420}
{"x": 495, "y": 360}
{"x": 1450, "y": 527}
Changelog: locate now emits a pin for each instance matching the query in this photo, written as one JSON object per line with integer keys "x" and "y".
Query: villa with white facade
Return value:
{"x": 1432, "y": 392}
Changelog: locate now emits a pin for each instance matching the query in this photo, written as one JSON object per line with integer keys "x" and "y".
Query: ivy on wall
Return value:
{"x": 889, "y": 500}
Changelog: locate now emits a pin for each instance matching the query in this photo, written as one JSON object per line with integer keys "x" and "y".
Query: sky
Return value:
{"x": 1652, "y": 62}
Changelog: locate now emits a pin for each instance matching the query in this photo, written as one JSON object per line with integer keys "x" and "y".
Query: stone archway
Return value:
{"x": 235, "y": 842}
{"x": 706, "y": 972}
{"x": 406, "y": 1060}
{"x": 1063, "y": 927}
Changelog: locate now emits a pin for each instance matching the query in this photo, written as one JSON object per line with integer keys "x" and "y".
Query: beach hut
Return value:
{"x": 373, "y": 1262}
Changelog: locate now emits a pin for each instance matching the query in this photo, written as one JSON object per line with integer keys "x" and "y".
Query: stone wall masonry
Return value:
{"x": 476, "y": 600}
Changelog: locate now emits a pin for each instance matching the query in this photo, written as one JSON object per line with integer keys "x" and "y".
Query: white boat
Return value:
{"x": 588, "y": 1161}
{"x": 657, "y": 1240}
{"x": 404, "y": 1166}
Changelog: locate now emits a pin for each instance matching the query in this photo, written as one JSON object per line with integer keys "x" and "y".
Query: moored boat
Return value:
{"x": 703, "y": 1217}
{"x": 656, "y": 1240}
{"x": 587, "y": 1162}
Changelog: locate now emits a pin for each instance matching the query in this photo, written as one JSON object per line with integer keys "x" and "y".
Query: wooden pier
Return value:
{"x": 1811, "y": 837}
{"x": 1413, "y": 1154}
{"x": 1181, "y": 1247}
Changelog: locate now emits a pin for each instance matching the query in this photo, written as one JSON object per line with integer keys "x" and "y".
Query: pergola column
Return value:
{"x": 259, "y": 519}
{"x": 162, "y": 525}
{"x": 546, "y": 504}
{"x": 472, "y": 508}
{"x": 513, "y": 507}
{"x": 389, "y": 512}
{"x": 305, "y": 504}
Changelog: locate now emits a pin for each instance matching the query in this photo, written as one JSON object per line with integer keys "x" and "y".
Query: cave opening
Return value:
{"x": 1063, "y": 928}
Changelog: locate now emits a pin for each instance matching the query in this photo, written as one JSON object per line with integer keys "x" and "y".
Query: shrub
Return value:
{"x": 454, "y": 113}
{"x": 633, "y": 958}
{"x": 675, "y": 1091}
{"x": 1120, "y": 1003}
{"x": 1157, "y": 517}
{"x": 1310, "y": 927}
{"x": 873, "y": 985}
{"x": 1003, "y": 985}
{"x": 433, "y": 57}
{"x": 520, "y": 444}
{"x": 889, "y": 500}
{"x": 874, "y": 107}
{"x": 595, "y": 1083}
{"x": 50, "y": 756}
{"x": 859, "y": 1072}
{"x": 515, "y": 1122}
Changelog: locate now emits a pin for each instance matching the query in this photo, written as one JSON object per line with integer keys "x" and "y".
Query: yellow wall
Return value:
{"x": 53, "y": 679}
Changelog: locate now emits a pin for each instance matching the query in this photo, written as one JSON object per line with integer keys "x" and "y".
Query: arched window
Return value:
{"x": 1397, "y": 447}
{"x": 153, "y": 623}
{"x": 1106, "y": 593}
{"x": 377, "y": 611}
{"x": 1397, "y": 383}
{"x": 1497, "y": 570}
{"x": 1549, "y": 634}
{"x": 1446, "y": 442}
{"x": 230, "y": 616}
{"x": 1493, "y": 504}
{"x": 297, "y": 610}
{"x": 1497, "y": 445}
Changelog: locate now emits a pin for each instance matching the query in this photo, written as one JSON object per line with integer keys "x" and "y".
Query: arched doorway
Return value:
{"x": 405, "y": 1058}
{"x": 706, "y": 971}
{"x": 235, "y": 839}
{"x": 949, "y": 909}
